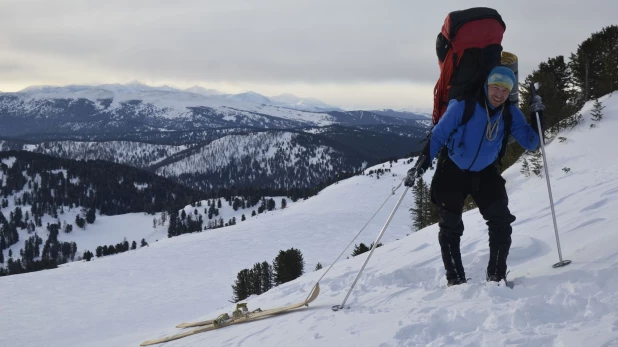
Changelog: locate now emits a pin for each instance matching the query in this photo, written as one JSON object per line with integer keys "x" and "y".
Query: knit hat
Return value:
{"x": 502, "y": 76}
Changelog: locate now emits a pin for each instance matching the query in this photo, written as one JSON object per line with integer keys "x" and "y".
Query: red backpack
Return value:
{"x": 468, "y": 47}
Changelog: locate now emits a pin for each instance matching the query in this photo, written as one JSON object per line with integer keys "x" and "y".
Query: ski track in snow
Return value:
{"x": 400, "y": 300}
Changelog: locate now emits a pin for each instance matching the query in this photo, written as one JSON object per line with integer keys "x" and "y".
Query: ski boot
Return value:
{"x": 496, "y": 267}
{"x": 451, "y": 257}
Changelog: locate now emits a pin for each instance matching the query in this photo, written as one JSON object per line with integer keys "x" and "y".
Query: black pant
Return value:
{"x": 450, "y": 187}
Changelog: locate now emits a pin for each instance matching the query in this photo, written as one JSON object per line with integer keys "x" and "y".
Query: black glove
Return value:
{"x": 410, "y": 178}
{"x": 419, "y": 169}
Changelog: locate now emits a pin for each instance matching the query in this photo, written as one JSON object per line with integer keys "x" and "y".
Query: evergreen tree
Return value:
{"x": 557, "y": 92}
{"x": 318, "y": 266}
{"x": 91, "y": 215}
{"x": 536, "y": 163}
{"x": 270, "y": 204}
{"x": 597, "y": 113}
{"x": 134, "y": 245}
{"x": 1, "y": 256}
{"x": 243, "y": 218}
{"x": 240, "y": 287}
{"x": 360, "y": 249}
{"x": 525, "y": 168}
{"x": 144, "y": 243}
{"x": 255, "y": 279}
{"x": 424, "y": 212}
{"x": 284, "y": 203}
{"x": 80, "y": 222}
{"x": 267, "y": 277}
{"x": 595, "y": 64}
{"x": 288, "y": 265}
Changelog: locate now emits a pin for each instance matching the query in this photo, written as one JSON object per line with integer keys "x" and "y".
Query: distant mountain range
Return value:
{"x": 139, "y": 108}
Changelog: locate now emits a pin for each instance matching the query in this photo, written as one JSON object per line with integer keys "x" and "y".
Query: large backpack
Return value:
{"x": 468, "y": 47}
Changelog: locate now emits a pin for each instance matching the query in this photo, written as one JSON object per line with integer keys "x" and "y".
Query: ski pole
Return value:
{"x": 375, "y": 245}
{"x": 551, "y": 199}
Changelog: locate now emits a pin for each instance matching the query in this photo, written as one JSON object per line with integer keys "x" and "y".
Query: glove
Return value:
{"x": 419, "y": 169}
{"x": 410, "y": 178}
{"x": 536, "y": 104}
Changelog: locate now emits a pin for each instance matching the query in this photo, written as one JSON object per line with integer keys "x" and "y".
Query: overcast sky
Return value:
{"x": 349, "y": 53}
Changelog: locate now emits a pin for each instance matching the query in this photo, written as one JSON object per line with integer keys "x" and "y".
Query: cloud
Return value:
{"x": 268, "y": 42}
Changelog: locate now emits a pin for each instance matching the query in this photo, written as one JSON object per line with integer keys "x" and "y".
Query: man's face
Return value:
{"x": 497, "y": 94}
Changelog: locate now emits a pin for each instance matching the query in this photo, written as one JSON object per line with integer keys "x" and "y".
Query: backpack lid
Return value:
{"x": 456, "y": 19}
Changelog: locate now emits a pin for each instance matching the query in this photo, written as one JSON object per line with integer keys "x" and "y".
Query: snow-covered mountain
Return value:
{"x": 273, "y": 159}
{"x": 400, "y": 299}
{"x": 203, "y": 91}
{"x": 403, "y": 114}
{"x": 307, "y": 104}
{"x": 138, "y": 107}
{"x": 136, "y": 154}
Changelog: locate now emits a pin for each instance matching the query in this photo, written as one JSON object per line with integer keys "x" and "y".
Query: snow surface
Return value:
{"x": 400, "y": 299}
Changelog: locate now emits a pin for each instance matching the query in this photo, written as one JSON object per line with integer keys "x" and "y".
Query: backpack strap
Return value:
{"x": 468, "y": 110}
{"x": 507, "y": 117}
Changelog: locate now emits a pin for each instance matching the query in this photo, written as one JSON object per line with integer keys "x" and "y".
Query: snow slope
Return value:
{"x": 401, "y": 298}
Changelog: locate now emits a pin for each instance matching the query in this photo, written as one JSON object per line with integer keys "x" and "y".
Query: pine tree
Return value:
{"x": 359, "y": 249}
{"x": 255, "y": 279}
{"x": 597, "y": 113}
{"x": 91, "y": 215}
{"x": 536, "y": 163}
{"x": 595, "y": 64}
{"x": 267, "y": 277}
{"x": 144, "y": 243}
{"x": 525, "y": 168}
{"x": 288, "y": 265}
{"x": 240, "y": 287}
{"x": 284, "y": 203}
{"x": 80, "y": 222}
{"x": 134, "y": 245}
{"x": 1, "y": 256}
{"x": 424, "y": 212}
{"x": 318, "y": 266}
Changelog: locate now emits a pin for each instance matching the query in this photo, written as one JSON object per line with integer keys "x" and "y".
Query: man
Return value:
{"x": 467, "y": 166}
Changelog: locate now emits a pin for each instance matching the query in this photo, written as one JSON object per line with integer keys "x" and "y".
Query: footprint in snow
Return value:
{"x": 610, "y": 192}
{"x": 611, "y": 343}
{"x": 587, "y": 223}
{"x": 594, "y": 206}
{"x": 423, "y": 246}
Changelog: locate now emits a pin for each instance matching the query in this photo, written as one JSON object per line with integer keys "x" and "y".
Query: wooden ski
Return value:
{"x": 247, "y": 317}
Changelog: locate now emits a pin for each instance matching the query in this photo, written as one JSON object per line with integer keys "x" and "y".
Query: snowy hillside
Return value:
{"x": 136, "y": 154}
{"x": 401, "y": 298}
{"x": 274, "y": 159}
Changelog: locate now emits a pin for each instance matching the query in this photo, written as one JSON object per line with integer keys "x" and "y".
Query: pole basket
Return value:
{"x": 561, "y": 263}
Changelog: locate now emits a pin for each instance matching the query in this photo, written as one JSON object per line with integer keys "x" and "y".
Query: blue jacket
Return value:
{"x": 468, "y": 145}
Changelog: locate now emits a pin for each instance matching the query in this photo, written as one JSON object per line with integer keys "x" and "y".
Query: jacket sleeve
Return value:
{"x": 522, "y": 131}
{"x": 449, "y": 121}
